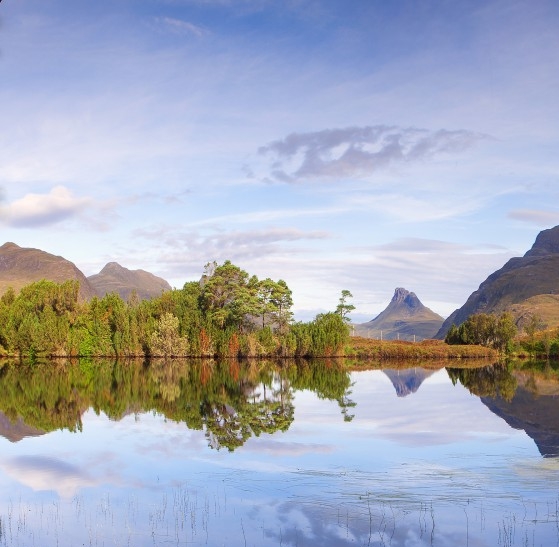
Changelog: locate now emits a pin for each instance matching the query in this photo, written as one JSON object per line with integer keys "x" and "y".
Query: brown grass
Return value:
{"x": 380, "y": 350}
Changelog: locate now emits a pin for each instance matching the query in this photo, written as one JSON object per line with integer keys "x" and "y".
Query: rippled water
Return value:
{"x": 400, "y": 457}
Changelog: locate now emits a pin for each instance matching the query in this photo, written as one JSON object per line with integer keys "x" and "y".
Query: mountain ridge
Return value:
{"x": 21, "y": 266}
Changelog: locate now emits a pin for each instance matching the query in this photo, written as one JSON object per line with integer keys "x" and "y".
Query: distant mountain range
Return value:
{"x": 523, "y": 286}
{"x": 21, "y": 266}
{"x": 405, "y": 318}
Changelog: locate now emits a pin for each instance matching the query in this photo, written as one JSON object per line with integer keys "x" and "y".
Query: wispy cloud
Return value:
{"x": 183, "y": 253}
{"x": 359, "y": 151}
{"x": 180, "y": 26}
{"x": 535, "y": 216}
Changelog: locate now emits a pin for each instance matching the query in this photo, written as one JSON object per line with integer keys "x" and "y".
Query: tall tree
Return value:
{"x": 344, "y": 308}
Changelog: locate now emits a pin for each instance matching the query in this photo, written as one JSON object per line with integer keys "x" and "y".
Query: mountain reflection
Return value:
{"x": 407, "y": 381}
{"x": 525, "y": 396}
{"x": 230, "y": 401}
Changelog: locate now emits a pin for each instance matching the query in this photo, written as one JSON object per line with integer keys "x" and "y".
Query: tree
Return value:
{"x": 228, "y": 294}
{"x": 344, "y": 308}
{"x": 505, "y": 331}
{"x": 274, "y": 301}
{"x": 282, "y": 298}
{"x": 533, "y": 325}
{"x": 166, "y": 340}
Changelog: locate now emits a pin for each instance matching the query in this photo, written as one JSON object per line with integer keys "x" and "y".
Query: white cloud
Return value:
{"x": 35, "y": 210}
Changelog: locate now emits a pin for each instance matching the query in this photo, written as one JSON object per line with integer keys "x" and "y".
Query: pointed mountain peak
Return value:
{"x": 400, "y": 294}
{"x": 405, "y": 318}
{"x": 406, "y": 298}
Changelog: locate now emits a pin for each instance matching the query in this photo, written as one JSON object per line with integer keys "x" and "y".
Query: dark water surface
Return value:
{"x": 251, "y": 454}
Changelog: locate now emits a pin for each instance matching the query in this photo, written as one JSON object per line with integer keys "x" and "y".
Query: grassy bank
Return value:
{"x": 380, "y": 350}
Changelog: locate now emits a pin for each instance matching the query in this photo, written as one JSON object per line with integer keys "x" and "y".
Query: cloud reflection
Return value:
{"x": 42, "y": 473}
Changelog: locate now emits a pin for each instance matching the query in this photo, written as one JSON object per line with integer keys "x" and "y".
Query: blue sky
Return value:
{"x": 362, "y": 145}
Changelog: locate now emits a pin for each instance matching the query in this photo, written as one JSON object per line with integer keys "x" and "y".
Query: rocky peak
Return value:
{"x": 547, "y": 242}
{"x": 400, "y": 295}
{"x": 405, "y": 299}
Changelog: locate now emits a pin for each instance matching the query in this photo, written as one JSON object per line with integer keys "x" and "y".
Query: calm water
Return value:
{"x": 252, "y": 455}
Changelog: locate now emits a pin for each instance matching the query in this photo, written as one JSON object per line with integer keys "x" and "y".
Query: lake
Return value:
{"x": 254, "y": 454}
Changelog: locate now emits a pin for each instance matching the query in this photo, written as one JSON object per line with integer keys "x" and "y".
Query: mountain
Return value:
{"x": 523, "y": 286}
{"x": 115, "y": 278}
{"x": 405, "y": 318}
{"x": 21, "y": 266}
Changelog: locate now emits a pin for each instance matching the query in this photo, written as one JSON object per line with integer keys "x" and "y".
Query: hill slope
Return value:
{"x": 404, "y": 318}
{"x": 21, "y": 266}
{"x": 115, "y": 278}
{"x": 514, "y": 287}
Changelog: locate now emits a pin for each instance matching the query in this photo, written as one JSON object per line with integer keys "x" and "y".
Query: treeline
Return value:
{"x": 228, "y": 313}
{"x": 483, "y": 329}
{"x": 532, "y": 339}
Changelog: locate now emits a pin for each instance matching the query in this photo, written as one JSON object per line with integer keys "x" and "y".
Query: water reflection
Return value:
{"x": 526, "y": 396}
{"x": 230, "y": 401}
{"x": 407, "y": 381}
{"x": 252, "y": 453}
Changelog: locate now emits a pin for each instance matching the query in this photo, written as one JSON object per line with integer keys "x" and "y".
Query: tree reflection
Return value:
{"x": 229, "y": 400}
{"x": 492, "y": 381}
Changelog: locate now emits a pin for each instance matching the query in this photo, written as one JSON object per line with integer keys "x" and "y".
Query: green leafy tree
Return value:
{"x": 228, "y": 294}
{"x": 166, "y": 340}
{"x": 505, "y": 331}
{"x": 282, "y": 300}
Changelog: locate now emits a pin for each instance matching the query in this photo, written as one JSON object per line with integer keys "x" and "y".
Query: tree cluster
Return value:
{"x": 484, "y": 329}
{"x": 227, "y": 313}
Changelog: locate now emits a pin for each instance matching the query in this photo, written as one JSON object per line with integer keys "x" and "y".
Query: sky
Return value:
{"x": 362, "y": 145}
